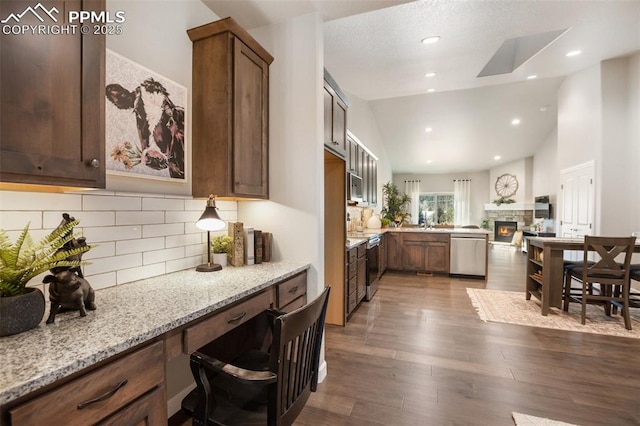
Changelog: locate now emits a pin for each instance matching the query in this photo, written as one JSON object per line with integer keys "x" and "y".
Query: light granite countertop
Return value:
{"x": 126, "y": 316}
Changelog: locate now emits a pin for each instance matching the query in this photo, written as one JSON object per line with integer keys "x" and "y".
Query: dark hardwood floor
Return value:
{"x": 418, "y": 354}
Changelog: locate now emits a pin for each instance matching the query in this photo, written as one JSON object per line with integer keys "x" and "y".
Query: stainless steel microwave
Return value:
{"x": 355, "y": 188}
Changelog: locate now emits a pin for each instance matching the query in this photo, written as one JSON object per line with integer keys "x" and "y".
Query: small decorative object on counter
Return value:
{"x": 249, "y": 244}
{"x": 22, "y": 307}
{"x": 257, "y": 245}
{"x": 221, "y": 246}
{"x": 67, "y": 287}
{"x": 236, "y": 232}
{"x": 374, "y": 222}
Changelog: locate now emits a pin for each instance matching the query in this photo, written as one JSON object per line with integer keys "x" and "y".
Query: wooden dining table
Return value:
{"x": 545, "y": 268}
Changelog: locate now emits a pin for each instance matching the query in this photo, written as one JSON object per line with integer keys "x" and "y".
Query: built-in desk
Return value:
{"x": 545, "y": 268}
{"x": 137, "y": 327}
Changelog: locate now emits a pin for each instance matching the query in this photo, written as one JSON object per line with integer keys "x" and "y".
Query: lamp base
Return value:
{"x": 208, "y": 267}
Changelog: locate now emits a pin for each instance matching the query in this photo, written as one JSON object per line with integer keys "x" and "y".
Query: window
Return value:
{"x": 436, "y": 209}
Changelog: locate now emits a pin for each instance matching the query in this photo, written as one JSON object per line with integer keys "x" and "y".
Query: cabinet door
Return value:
{"x": 437, "y": 257}
{"x": 372, "y": 188}
{"x": 52, "y": 102}
{"x": 394, "y": 250}
{"x": 335, "y": 134}
{"x": 352, "y": 155}
{"x": 383, "y": 254}
{"x": 365, "y": 176}
{"x": 149, "y": 410}
{"x": 362, "y": 278}
{"x": 414, "y": 255}
{"x": 251, "y": 123}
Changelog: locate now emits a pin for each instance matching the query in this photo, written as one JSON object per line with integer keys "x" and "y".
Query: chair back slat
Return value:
{"x": 295, "y": 357}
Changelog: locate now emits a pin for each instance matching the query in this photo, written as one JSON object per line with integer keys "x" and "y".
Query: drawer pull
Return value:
{"x": 104, "y": 396}
{"x": 293, "y": 289}
{"x": 237, "y": 317}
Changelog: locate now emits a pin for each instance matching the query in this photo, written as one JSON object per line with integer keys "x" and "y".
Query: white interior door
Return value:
{"x": 577, "y": 204}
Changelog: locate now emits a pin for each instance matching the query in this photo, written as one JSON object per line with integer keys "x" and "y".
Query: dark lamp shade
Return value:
{"x": 210, "y": 221}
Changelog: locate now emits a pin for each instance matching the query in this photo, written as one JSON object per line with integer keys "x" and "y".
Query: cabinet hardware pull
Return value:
{"x": 293, "y": 289}
{"x": 104, "y": 396}
{"x": 94, "y": 163}
{"x": 237, "y": 317}
{"x": 335, "y": 142}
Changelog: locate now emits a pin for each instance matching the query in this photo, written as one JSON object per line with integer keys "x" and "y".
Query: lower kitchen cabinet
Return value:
{"x": 129, "y": 388}
{"x": 356, "y": 276}
{"x": 418, "y": 251}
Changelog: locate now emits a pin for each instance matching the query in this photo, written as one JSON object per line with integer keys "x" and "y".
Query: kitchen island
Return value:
{"x": 159, "y": 317}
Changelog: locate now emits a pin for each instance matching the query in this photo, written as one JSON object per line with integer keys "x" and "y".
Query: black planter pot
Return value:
{"x": 21, "y": 313}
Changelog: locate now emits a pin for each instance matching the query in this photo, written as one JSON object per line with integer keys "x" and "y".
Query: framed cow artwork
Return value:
{"x": 145, "y": 121}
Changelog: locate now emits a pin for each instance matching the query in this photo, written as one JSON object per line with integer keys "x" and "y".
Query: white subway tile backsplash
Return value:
{"x": 104, "y": 249}
{"x": 134, "y": 274}
{"x": 184, "y": 263}
{"x": 182, "y": 240}
{"x": 99, "y": 202}
{"x": 113, "y": 233}
{"x": 139, "y": 245}
{"x": 182, "y": 216}
{"x": 139, "y": 217}
{"x": 162, "y": 230}
{"x": 157, "y": 256}
{"x": 110, "y": 264}
{"x": 195, "y": 250}
{"x": 99, "y": 281}
{"x": 162, "y": 204}
{"x": 87, "y": 219}
{"x": 16, "y": 221}
{"x": 37, "y": 201}
{"x": 135, "y": 235}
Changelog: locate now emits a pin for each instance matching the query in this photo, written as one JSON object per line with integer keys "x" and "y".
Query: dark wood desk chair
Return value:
{"x": 262, "y": 387}
{"x": 606, "y": 273}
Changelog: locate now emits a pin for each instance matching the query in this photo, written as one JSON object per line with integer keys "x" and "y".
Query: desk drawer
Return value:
{"x": 142, "y": 370}
{"x": 291, "y": 289}
{"x": 220, "y": 323}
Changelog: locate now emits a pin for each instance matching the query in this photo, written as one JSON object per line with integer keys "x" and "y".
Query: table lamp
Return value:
{"x": 210, "y": 221}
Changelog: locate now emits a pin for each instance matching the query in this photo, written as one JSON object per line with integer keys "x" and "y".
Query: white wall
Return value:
{"x": 634, "y": 137}
{"x": 546, "y": 175}
{"x": 522, "y": 170}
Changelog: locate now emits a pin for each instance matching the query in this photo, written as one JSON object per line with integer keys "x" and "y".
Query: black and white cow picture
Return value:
{"x": 160, "y": 125}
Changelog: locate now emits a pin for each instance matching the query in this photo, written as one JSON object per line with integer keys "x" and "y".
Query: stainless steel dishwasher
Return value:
{"x": 468, "y": 255}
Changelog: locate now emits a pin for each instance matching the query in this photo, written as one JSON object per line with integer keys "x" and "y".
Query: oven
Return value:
{"x": 373, "y": 268}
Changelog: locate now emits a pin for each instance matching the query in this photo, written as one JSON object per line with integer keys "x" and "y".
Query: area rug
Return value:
{"x": 527, "y": 420}
{"x": 511, "y": 307}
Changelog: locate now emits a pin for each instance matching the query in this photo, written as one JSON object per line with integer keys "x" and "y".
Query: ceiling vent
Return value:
{"x": 516, "y": 51}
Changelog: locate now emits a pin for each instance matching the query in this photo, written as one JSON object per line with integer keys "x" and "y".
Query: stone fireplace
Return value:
{"x": 520, "y": 213}
{"x": 504, "y": 230}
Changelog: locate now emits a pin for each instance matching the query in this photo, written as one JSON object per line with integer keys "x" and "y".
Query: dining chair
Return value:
{"x": 601, "y": 279}
{"x": 262, "y": 387}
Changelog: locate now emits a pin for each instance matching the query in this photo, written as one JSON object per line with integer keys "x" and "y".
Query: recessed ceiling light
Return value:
{"x": 574, "y": 53}
{"x": 532, "y": 77}
{"x": 497, "y": 157}
{"x": 430, "y": 40}
{"x": 430, "y": 74}
{"x": 431, "y": 90}
{"x": 515, "y": 121}
{"x": 428, "y": 161}
{"x": 428, "y": 129}
{"x": 544, "y": 108}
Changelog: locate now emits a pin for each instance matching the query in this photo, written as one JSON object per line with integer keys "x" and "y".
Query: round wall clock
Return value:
{"x": 506, "y": 185}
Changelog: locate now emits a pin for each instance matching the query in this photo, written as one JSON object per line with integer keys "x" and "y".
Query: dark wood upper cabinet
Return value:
{"x": 52, "y": 101}
{"x": 335, "y": 117}
{"x": 230, "y": 150}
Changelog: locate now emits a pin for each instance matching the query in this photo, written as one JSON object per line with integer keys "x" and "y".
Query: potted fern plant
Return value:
{"x": 221, "y": 246}
{"x": 22, "y": 307}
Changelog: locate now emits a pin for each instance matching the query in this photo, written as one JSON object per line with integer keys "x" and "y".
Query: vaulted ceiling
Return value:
{"x": 373, "y": 50}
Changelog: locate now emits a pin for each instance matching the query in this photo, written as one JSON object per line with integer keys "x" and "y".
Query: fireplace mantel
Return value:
{"x": 516, "y": 206}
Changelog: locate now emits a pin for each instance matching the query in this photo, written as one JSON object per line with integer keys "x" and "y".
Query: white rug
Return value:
{"x": 511, "y": 307}
{"x": 527, "y": 420}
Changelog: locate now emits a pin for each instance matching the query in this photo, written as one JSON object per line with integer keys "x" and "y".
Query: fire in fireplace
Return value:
{"x": 503, "y": 231}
